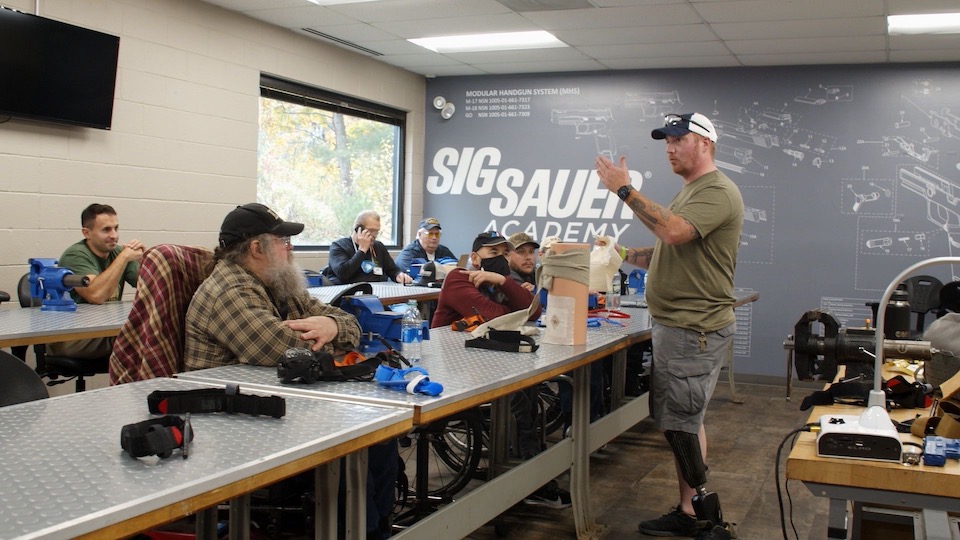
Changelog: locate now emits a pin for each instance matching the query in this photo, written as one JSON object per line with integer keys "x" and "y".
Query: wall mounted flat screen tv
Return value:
{"x": 56, "y": 72}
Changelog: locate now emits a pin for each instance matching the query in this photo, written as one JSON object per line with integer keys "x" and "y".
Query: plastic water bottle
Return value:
{"x": 643, "y": 289}
{"x": 411, "y": 333}
{"x": 613, "y": 296}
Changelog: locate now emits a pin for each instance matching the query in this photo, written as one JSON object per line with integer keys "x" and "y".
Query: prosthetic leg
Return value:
{"x": 686, "y": 449}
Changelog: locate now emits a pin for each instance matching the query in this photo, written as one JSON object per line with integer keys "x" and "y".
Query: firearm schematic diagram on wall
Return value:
{"x": 824, "y": 94}
{"x": 653, "y": 105}
{"x": 594, "y": 123}
{"x": 942, "y": 198}
{"x": 756, "y": 236}
{"x": 917, "y": 212}
{"x": 776, "y": 129}
{"x": 867, "y": 197}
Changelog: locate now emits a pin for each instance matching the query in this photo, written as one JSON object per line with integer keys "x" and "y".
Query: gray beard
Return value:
{"x": 285, "y": 280}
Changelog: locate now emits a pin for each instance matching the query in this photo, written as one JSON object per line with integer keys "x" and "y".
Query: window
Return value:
{"x": 323, "y": 158}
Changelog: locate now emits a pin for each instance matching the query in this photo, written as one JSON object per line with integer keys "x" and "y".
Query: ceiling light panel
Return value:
{"x": 927, "y": 23}
{"x": 504, "y": 41}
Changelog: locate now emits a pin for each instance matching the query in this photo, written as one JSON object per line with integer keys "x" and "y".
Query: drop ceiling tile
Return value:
{"x": 298, "y": 17}
{"x": 457, "y": 25}
{"x": 412, "y": 10}
{"x": 633, "y": 35}
{"x": 781, "y": 10}
{"x": 810, "y": 45}
{"x": 862, "y": 26}
{"x": 654, "y": 15}
{"x": 671, "y": 62}
{"x": 862, "y": 57}
{"x": 693, "y": 49}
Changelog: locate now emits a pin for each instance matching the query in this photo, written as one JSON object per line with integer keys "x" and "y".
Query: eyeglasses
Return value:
{"x": 285, "y": 240}
{"x": 432, "y": 234}
{"x": 677, "y": 120}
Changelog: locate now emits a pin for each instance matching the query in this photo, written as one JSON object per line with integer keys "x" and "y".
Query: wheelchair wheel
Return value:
{"x": 549, "y": 393}
{"x": 454, "y": 454}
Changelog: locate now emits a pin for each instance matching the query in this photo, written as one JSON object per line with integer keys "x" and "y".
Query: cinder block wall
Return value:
{"x": 183, "y": 148}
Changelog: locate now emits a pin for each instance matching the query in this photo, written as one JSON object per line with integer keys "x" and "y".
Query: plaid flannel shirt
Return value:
{"x": 232, "y": 320}
{"x": 150, "y": 343}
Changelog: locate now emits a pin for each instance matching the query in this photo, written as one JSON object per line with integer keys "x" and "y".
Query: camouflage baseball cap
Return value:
{"x": 520, "y": 238}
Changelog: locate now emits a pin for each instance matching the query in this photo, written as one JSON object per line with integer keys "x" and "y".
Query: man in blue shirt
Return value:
{"x": 425, "y": 248}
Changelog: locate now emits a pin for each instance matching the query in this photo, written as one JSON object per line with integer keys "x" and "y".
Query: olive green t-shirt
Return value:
{"x": 84, "y": 262}
{"x": 691, "y": 285}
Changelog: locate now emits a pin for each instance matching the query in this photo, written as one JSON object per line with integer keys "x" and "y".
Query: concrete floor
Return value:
{"x": 634, "y": 479}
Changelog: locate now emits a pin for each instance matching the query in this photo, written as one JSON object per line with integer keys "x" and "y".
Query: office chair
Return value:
{"x": 949, "y": 299}
{"x": 53, "y": 367}
{"x": 20, "y": 351}
{"x": 353, "y": 290}
{"x": 151, "y": 342}
{"x": 18, "y": 383}
{"x": 923, "y": 293}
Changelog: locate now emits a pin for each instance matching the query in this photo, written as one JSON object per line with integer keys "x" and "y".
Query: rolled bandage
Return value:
{"x": 412, "y": 385}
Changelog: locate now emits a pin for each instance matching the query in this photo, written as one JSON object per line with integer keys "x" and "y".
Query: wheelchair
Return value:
{"x": 438, "y": 460}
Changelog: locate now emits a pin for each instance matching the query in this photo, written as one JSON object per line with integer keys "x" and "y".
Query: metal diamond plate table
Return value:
{"x": 469, "y": 376}
{"x": 27, "y": 326}
{"x": 65, "y": 474}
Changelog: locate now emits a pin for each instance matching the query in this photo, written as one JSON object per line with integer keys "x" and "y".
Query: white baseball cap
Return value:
{"x": 678, "y": 125}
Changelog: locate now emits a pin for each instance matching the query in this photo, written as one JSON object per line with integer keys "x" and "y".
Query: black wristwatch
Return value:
{"x": 624, "y": 192}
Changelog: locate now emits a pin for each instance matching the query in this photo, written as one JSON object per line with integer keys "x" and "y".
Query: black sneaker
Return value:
{"x": 718, "y": 532}
{"x": 550, "y": 496}
{"x": 673, "y": 523}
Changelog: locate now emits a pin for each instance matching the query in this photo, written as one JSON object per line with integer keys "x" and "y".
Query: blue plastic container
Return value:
{"x": 636, "y": 281}
{"x": 313, "y": 278}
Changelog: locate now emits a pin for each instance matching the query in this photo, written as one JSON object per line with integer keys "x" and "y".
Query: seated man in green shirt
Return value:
{"x": 107, "y": 263}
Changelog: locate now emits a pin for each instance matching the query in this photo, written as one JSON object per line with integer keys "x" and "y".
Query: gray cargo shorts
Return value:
{"x": 685, "y": 372}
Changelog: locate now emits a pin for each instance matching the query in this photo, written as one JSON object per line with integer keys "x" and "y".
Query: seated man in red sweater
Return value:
{"x": 485, "y": 289}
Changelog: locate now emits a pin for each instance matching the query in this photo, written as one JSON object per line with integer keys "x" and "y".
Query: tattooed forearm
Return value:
{"x": 640, "y": 257}
{"x": 650, "y": 213}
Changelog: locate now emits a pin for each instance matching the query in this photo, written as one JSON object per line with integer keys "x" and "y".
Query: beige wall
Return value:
{"x": 183, "y": 148}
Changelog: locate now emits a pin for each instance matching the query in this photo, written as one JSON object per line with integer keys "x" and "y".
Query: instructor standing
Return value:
{"x": 690, "y": 295}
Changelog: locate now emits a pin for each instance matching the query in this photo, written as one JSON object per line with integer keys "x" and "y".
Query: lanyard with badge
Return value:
{"x": 370, "y": 266}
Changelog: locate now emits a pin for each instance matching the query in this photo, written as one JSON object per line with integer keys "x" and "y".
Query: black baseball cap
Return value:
{"x": 429, "y": 223}
{"x": 489, "y": 238}
{"x": 254, "y": 219}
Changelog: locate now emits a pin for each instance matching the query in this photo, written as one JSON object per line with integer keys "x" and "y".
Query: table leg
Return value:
{"x": 837, "y": 521}
{"x": 356, "y": 497}
{"x": 936, "y": 525}
{"x": 239, "y": 523}
{"x": 499, "y": 420}
{"x": 580, "y": 471}
{"x": 326, "y": 481}
{"x": 426, "y": 311}
{"x": 733, "y": 385}
{"x": 618, "y": 380}
{"x": 789, "y": 374}
{"x": 206, "y": 527}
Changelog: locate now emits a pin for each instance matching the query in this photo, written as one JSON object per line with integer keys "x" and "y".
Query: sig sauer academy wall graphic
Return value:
{"x": 849, "y": 174}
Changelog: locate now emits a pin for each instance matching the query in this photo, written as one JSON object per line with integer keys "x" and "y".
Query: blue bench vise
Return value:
{"x": 375, "y": 323}
{"x": 50, "y": 284}
{"x": 936, "y": 450}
